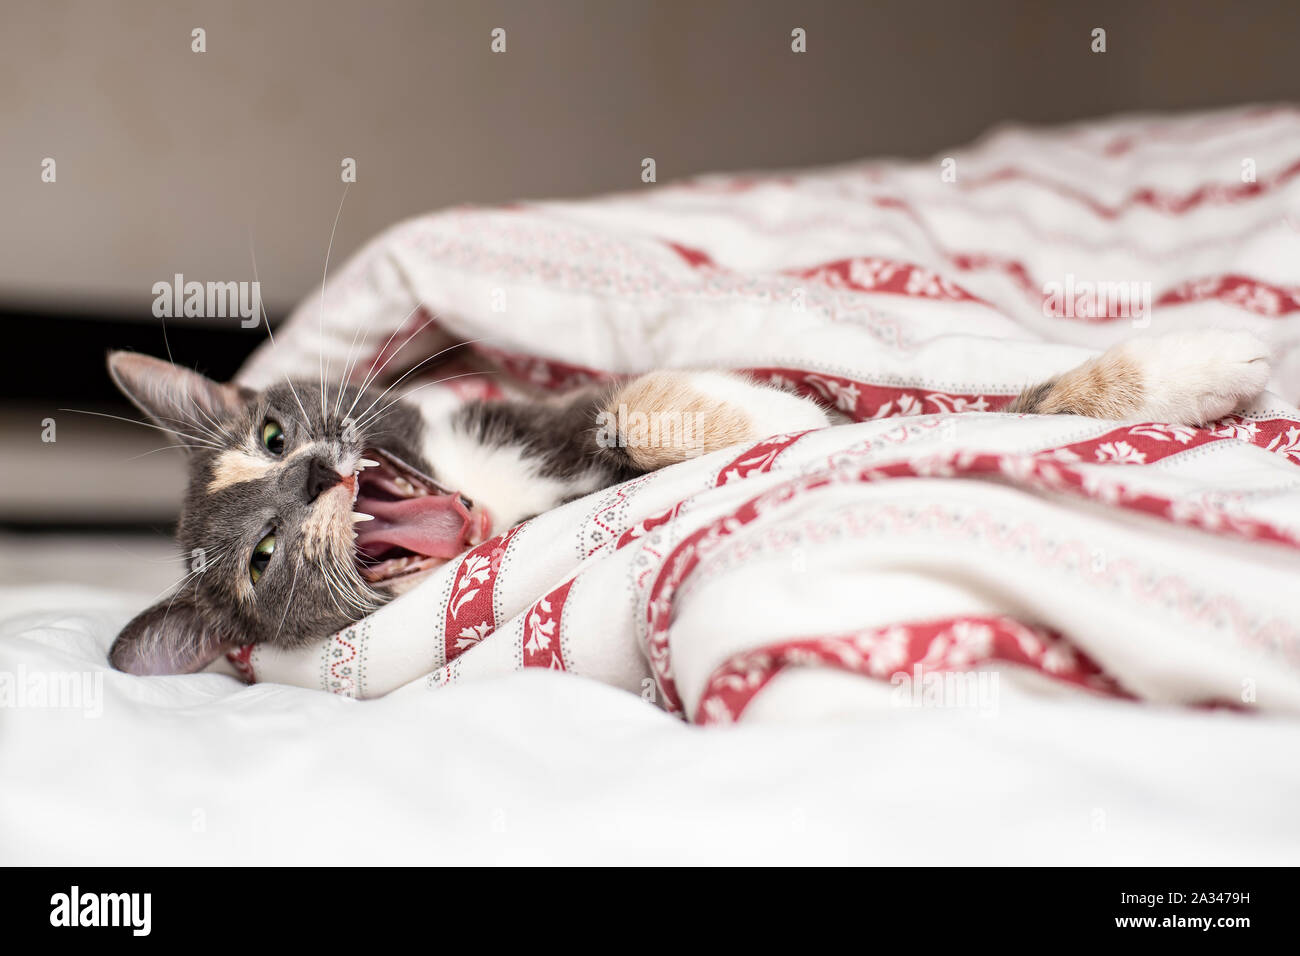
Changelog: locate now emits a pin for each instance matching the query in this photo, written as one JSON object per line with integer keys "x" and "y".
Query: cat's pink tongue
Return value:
{"x": 437, "y": 526}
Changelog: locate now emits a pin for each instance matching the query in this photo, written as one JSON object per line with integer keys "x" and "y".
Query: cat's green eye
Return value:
{"x": 273, "y": 436}
{"x": 262, "y": 552}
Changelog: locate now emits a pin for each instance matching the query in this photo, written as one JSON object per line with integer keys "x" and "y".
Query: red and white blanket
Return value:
{"x": 856, "y": 566}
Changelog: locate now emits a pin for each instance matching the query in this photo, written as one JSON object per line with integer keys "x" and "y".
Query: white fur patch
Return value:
{"x": 1190, "y": 378}
{"x": 771, "y": 411}
{"x": 235, "y": 466}
{"x": 500, "y": 479}
{"x": 328, "y": 526}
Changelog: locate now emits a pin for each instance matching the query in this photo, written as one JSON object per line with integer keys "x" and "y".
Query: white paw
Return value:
{"x": 1190, "y": 378}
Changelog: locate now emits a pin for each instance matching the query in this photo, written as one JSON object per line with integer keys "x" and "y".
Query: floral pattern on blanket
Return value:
{"x": 1142, "y": 561}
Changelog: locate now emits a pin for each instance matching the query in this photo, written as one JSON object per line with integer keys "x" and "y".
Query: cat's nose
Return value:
{"x": 321, "y": 476}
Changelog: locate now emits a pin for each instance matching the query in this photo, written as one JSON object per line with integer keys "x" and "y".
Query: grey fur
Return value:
{"x": 295, "y": 600}
{"x": 299, "y": 599}
{"x": 1031, "y": 398}
{"x": 560, "y": 436}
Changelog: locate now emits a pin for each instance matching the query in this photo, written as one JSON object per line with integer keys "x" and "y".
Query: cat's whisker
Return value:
{"x": 341, "y": 573}
{"x": 157, "y": 639}
{"x": 332, "y": 590}
{"x": 288, "y": 601}
{"x": 180, "y": 582}
{"x": 135, "y": 421}
{"x": 216, "y": 437}
{"x": 355, "y": 590}
{"x": 353, "y": 353}
{"x": 219, "y": 434}
{"x": 155, "y": 451}
{"x": 266, "y": 320}
{"x": 366, "y": 379}
{"x": 217, "y": 430}
{"x": 374, "y": 373}
{"x": 136, "y": 556}
{"x": 347, "y": 370}
{"x": 365, "y": 421}
{"x": 165, "y": 429}
{"x": 416, "y": 367}
{"x": 320, "y": 316}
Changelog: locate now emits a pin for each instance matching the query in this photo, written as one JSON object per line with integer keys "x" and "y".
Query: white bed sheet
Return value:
{"x": 538, "y": 767}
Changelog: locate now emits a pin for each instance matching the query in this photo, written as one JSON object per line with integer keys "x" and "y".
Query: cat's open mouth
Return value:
{"x": 415, "y": 523}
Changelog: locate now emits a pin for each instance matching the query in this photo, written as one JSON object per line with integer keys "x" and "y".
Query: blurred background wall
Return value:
{"x": 170, "y": 161}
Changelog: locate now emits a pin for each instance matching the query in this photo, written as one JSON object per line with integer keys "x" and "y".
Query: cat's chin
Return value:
{"x": 406, "y": 524}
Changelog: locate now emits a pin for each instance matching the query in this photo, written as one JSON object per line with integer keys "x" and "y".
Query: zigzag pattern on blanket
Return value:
{"x": 860, "y": 286}
{"x": 917, "y": 658}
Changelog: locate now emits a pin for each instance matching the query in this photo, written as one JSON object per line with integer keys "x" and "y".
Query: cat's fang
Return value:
{"x": 358, "y": 516}
{"x": 418, "y": 523}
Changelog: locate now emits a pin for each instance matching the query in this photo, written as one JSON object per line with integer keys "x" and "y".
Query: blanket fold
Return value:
{"x": 909, "y": 558}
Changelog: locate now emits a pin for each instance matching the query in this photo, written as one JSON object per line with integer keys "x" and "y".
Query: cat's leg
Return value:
{"x": 519, "y": 458}
{"x": 1185, "y": 378}
{"x": 663, "y": 418}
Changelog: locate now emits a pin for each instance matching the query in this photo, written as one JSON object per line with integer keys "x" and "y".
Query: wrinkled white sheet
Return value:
{"x": 536, "y": 766}
{"x": 539, "y": 767}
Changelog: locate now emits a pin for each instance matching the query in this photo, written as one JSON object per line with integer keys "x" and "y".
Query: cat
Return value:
{"x": 308, "y": 507}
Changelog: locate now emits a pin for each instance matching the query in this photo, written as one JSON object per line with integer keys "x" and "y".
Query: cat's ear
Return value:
{"x": 174, "y": 397}
{"x": 168, "y": 638}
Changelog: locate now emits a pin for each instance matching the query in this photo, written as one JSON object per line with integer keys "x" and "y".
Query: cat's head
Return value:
{"x": 306, "y": 509}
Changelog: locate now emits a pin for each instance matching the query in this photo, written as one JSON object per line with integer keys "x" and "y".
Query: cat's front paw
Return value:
{"x": 1191, "y": 378}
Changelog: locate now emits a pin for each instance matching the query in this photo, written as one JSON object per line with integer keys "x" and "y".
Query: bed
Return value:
{"x": 937, "y": 634}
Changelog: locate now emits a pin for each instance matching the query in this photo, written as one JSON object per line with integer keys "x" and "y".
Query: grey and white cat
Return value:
{"x": 308, "y": 508}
